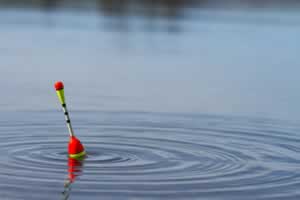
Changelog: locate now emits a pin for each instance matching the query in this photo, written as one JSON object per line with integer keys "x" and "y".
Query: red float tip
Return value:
{"x": 59, "y": 85}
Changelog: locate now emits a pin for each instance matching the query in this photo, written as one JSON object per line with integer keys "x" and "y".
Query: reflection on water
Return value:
{"x": 74, "y": 170}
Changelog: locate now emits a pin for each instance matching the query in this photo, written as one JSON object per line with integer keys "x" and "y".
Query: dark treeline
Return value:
{"x": 168, "y": 9}
{"x": 122, "y": 6}
{"x": 149, "y": 9}
{"x": 110, "y": 7}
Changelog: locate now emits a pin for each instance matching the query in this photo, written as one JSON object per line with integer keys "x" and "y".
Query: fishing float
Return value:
{"x": 75, "y": 147}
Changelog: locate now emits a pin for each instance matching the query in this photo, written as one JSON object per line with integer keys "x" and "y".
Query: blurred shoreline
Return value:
{"x": 122, "y": 15}
{"x": 170, "y": 8}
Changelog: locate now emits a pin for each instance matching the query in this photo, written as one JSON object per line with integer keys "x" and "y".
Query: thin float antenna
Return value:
{"x": 61, "y": 96}
{"x": 67, "y": 117}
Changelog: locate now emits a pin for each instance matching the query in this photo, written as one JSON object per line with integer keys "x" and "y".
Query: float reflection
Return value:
{"x": 75, "y": 167}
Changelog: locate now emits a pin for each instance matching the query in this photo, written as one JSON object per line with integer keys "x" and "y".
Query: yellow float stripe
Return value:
{"x": 78, "y": 155}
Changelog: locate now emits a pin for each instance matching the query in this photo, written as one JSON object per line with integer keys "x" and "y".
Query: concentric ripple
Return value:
{"x": 149, "y": 156}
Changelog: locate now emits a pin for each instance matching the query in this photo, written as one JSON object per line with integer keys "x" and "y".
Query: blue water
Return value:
{"x": 233, "y": 62}
{"x": 184, "y": 102}
{"x": 143, "y": 155}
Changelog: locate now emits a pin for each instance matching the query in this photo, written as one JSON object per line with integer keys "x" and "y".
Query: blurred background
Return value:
{"x": 237, "y": 57}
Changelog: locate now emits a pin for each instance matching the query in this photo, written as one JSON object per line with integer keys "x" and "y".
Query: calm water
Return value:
{"x": 173, "y": 100}
{"x": 241, "y": 62}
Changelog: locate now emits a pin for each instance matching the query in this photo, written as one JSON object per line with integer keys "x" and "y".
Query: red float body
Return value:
{"x": 75, "y": 146}
{"x": 59, "y": 85}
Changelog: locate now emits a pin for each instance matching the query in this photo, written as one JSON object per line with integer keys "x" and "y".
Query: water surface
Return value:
{"x": 149, "y": 156}
{"x": 172, "y": 99}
